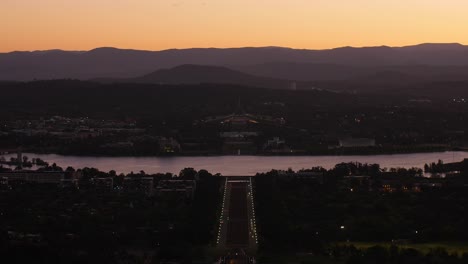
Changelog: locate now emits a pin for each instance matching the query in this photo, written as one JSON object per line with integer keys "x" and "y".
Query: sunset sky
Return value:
{"x": 164, "y": 24}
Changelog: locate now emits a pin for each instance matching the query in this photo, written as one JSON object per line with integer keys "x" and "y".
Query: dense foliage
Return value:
{"x": 300, "y": 215}
{"x": 89, "y": 225}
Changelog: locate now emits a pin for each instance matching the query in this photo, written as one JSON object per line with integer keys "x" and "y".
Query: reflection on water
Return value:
{"x": 242, "y": 165}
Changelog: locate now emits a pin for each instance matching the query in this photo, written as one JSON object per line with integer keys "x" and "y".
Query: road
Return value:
{"x": 237, "y": 228}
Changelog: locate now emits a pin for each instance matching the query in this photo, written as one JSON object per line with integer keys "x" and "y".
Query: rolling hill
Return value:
{"x": 198, "y": 74}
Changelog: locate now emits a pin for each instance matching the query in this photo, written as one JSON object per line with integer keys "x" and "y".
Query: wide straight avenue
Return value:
{"x": 237, "y": 233}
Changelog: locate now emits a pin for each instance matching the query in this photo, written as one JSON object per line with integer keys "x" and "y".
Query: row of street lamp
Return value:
{"x": 252, "y": 220}
{"x": 222, "y": 213}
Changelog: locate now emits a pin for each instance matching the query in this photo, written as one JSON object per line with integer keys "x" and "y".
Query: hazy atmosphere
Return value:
{"x": 166, "y": 24}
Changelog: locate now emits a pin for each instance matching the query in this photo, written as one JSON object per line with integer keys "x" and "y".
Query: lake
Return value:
{"x": 242, "y": 165}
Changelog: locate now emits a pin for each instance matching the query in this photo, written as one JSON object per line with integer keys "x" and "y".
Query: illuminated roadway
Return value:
{"x": 237, "y": 235}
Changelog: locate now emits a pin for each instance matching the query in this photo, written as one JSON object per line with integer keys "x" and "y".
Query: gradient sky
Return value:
{"x": 164, "y": 24}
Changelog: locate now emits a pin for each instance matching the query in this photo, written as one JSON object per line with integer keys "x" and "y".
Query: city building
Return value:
{"x": 139, "y": 184}
{"x": 316, "y": 176}
{"x": 179, "y": 187}
{"x": 51, "y": 177}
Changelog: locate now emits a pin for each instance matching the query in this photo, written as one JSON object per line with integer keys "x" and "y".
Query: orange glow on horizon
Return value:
{"x": 166, "y": 24}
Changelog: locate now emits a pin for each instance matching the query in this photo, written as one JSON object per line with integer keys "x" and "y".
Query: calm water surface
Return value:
{"x": 242, "y": 165}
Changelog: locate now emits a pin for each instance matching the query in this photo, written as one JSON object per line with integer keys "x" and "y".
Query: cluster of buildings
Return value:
{"x": 239, "y": 133}
{"x": 70, "y": 128}
{"x": 148, "y": 185}
{"x": 185, "y": 188}
{"x": 456, "y": 176}
{"x": 309, "y": 176}
{"x": 108, "y": 136}
{"x": 393, "y": 182}
{"x": 58, "y": 178}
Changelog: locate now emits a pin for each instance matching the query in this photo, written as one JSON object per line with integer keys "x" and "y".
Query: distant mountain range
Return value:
{"x": 267, "y": 66}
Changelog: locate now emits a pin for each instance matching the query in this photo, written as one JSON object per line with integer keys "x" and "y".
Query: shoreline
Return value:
{"x": 242, "y": 165}
{"x": 342, "y": 153}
